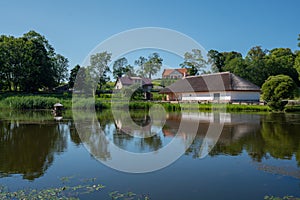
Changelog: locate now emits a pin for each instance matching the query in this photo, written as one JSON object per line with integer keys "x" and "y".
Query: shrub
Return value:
{"x": 276, "y": 89}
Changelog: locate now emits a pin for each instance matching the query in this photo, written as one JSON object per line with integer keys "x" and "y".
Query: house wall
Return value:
{"x": 205, "y": 96}
{"x": 118, "y": 85}
{"x": 244, "y": 96}
{"x": 223, "y": 96}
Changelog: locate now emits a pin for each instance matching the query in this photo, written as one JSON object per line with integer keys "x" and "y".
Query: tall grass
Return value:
{"x": 90, "y": 103}
{"x": 29, "y": 102}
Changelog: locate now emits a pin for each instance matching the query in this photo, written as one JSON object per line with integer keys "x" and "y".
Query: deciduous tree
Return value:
{"x": 194, "y": 62}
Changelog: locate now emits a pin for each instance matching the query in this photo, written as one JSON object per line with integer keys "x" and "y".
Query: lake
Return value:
{"x": 254, "y": 155}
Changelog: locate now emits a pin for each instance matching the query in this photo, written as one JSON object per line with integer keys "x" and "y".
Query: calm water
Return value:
{"x": 256, "y": 155}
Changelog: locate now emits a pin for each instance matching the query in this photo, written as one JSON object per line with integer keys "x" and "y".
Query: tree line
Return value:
{"x": 258, "y": 64}
{"x": 99, "y": 70}
{"x": 29, "y": 63}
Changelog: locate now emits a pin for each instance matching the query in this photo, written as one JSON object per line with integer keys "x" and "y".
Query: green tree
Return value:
{"x": 276, "y": 89}
{"x": 32, "y": 35}
{"x": 237, "y": 66}
{"x": 5, "y": 68}
{"x": 35, "y": 68}
{"x": 129, "y": 71}
{"x": 194, "y": 62}
{"x": 281, "y": 61}
{"x": 73, "y": 75}
{"x": 297, "y": 63}
{"x": 228, "y": 57}
{"x": 119, "y": 67}
{"x": 216, "y": 59}
{"x": 82, "y": 84}
{"x": 256, "y": 70}
{"x": 140, "y": 62}
{"x": 153, "y": 65}
{"x": 149, "y": 67}
{"x": 61, "y": 65}
{"x": 99, "y": 68}
{"x": 29, "y": 63}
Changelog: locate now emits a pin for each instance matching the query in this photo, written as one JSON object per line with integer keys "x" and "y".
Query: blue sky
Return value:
{"x": 74, "y": 28}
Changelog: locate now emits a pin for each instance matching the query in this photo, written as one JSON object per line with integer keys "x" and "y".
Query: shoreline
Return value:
{"x": 46, "y": 102}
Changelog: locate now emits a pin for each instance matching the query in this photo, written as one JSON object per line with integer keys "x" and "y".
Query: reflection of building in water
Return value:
{"x": 143, "y": 128}
{"x": 235, "y": 127}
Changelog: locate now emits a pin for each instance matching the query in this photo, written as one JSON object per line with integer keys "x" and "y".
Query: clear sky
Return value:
{"x": 75, "y": 27}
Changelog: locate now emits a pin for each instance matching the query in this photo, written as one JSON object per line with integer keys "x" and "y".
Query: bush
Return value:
{"x": 276, "y": 89}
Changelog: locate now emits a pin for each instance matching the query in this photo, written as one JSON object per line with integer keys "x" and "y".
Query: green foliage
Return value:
{"x": 276, "y": 89}
{"x": 98, "y": 70}
{"x": 65, "y": 192}
{"x": 149, "y": 67}
{"x": 167, "y": 81}
{"x": 29, "y": 63}
{"x": 73, "y": 75}
{"x": 90, "y": 103}
{"x": 297, "y": 63}
{"x": 292, "y": 108}
{"x": 29, "y": 102}
{"x": 194, "y": 62}
{"x": 216, "y": 59}
{"x": 61, "y": 68}
{"x": 279, "y": 198}
{"x": 157, "y": 97}
{"x": 259, "y": 64}
{"x": 120, "y": 68}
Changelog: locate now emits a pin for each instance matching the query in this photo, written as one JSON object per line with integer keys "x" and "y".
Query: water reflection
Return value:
{"x": 262, "y": 136}
{"x": 30, "y": 141}
{"x": 28, "y": 146}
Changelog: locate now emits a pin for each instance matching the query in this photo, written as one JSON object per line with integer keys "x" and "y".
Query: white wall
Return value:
{"x": 224, "y": 96}
{"x": 244, "y": 96}
{"x": 118, "y": 85}
{"x": 204, "y": 96}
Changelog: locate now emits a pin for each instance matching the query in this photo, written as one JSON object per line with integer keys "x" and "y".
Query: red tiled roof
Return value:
{"x": 182, "y": 70}
{"x": 167, "y": 72}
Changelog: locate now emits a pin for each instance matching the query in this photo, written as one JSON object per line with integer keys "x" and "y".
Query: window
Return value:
{"x": 216, "y": 96}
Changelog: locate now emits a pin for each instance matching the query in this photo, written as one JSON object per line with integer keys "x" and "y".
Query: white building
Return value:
{"x": 222, "y": 87}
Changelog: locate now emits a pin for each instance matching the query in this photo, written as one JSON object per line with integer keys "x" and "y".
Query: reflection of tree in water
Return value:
{"x": 261, "y": 136}
{"x": 29, "y": 149}
{"x": 281, "y": 135}
{"x": 122, "y": 140}
{"x": 74, "y": 134}
{"x": 146, "y": 140}
{"x": 93, "y": 137}
{"x": 276, "y": 135}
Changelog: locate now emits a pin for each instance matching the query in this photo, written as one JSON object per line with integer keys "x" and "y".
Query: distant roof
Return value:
{"x": 224, "y": 81}
{"x": 167, "y": 72}
{"x": 126, "y": 80}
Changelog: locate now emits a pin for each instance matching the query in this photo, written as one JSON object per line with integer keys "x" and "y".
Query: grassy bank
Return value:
{"x": 31, "y": 102}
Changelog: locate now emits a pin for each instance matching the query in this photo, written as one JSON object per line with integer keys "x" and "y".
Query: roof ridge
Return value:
{"x": 212, "y": 74}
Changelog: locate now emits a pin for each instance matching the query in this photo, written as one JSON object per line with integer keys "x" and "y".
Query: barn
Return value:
{"x": 216, "y": 87}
